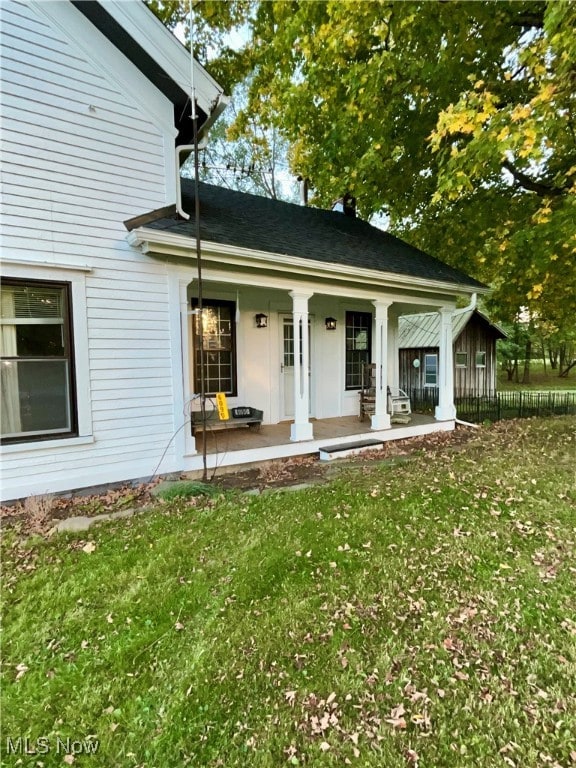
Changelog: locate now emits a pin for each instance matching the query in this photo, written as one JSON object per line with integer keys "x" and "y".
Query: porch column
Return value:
{"x": 301, "y": 428}
{"x": 381, "y": 417}
{"x": 445, "y": 410}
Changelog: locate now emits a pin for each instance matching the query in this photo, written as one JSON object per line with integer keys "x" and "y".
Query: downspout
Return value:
{"x": 189, "y": 149}
{"x": 470, "y": 307}
{"x": 183, "y": 148}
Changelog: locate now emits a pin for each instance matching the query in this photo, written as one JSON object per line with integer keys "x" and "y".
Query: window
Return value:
{"x": 37, "y": 372}
{"x": 430, "y": 370}
{"x": 358, "y": 346}
{"x": 480, "y": 359}
{"x": 461, "y": 359}
{"x": 288, "y": 357}
{"x": 218, "y": 325}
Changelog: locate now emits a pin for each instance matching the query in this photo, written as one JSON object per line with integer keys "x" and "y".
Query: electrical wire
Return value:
{"x": 185, "y": 423}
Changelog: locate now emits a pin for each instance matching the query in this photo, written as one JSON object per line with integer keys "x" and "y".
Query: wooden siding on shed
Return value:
{"x": 476, "y": 336}
{"x": 473, "y": 379}
{"x": 80, "y": 157}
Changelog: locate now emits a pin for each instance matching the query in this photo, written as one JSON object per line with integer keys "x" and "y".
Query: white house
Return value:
{"x": 99, "y": 356}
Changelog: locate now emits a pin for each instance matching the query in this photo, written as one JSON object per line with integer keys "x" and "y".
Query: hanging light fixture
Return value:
{"x": 330, "y": 323}
{"x": 261, "y": 320}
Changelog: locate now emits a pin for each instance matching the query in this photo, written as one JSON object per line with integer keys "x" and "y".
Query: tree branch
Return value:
{"x": 541, "y": 189}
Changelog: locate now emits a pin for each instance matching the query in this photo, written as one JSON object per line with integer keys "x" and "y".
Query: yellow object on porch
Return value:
{"x": 222, "y": 404}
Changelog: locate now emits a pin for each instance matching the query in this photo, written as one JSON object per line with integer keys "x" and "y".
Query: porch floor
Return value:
{"x": 243, "y": 439}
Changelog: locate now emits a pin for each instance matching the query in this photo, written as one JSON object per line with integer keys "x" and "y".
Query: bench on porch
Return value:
{"x": 240, "y": 416}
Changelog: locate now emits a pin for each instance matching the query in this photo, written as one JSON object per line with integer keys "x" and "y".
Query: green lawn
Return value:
{"x": 540, "y": 379}
{"x": 414, "y": 613}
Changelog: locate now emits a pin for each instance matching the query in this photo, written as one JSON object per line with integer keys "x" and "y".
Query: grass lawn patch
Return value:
{"x": 421, "y": 614}
{"x": 540, "y": 379}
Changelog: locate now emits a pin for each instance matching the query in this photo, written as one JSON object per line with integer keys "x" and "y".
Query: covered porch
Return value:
{"x": 298, "y": 357}
{"x": 291, "y": 305}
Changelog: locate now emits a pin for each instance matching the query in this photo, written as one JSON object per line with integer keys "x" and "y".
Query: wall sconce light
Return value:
{"x": 416, "y": 363}
{"x": 261, "y": 320}
{"x": 330, "y": 323}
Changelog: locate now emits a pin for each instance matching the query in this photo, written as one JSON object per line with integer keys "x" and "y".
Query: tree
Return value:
{"x": 251, "y": 160}
{"x": 243, "y": 153}
{"x": 454, "y": 119}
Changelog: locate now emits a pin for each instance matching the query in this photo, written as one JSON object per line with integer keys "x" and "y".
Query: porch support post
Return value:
{"x": 301, "y": 428}
{"x": 445, "y": 410}
{"x": 381, "y": 417}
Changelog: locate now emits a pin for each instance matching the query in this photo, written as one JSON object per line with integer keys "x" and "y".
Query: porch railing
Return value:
{"x": 494, "y": 406}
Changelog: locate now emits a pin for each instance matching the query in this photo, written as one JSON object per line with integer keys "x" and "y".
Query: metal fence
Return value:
{"x": 494, "y": 406}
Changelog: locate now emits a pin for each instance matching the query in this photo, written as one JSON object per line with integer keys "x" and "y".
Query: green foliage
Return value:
{"x": 398, "y": 616}
{"x": 184, "y": 489}
{"x": 252, "y": 159}
{"x": 456, "y": 120}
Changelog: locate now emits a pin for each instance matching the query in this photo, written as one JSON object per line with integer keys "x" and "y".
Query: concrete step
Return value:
{"x": 340, "y": 451}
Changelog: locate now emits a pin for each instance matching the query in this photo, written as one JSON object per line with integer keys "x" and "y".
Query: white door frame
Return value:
{"x": 286, "y": 382}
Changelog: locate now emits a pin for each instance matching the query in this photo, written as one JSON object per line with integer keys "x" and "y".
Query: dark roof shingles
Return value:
{"x": 259, "y": 223}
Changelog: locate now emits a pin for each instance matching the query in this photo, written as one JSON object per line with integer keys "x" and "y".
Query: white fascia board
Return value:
{"x": 166, "y": 49}
{"x": 214, "y": 275}
{"x": 168, "y": 244}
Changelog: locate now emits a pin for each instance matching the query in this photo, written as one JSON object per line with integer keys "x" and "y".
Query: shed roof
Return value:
{"x": 423, "y": 330}
{"x": 285, "y": 229}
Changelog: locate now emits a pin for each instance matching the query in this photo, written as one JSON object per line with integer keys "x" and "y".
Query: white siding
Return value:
{"x": 80, "y": 156}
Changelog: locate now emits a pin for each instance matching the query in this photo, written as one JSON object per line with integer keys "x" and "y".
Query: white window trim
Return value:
{"x": 435, "y": 384}
{"x": 79, "y": 323}
{"x": 49, "y": 445}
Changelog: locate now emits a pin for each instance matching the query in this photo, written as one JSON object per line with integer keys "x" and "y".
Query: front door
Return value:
{"x": 287, "y": 367}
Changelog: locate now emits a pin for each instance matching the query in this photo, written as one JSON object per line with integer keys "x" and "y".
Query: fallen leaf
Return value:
{"x": 396, "y": 718}
{"x": 89, "y": 547}
{"x": 324, "y": 746}
{"x": 290, "y": 697}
